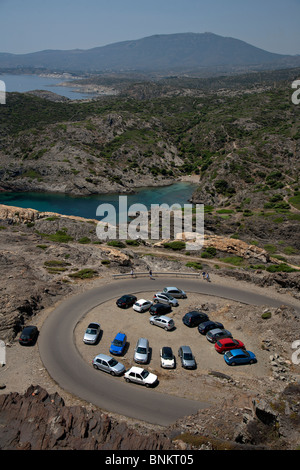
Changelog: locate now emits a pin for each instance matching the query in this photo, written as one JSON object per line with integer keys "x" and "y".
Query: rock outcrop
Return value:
{"x": 39, "y": 421}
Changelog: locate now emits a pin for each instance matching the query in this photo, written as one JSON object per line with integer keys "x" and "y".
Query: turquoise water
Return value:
{"x": 178, "y": 193}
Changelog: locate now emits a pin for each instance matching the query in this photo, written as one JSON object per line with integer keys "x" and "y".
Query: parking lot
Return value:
{"x": 188, "y": 383}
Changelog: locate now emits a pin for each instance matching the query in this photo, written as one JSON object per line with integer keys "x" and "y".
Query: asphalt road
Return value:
{"x": 66, "y": 366}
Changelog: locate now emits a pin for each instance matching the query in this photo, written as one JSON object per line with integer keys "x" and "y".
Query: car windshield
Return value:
{"x": 167, "y": 354}
{"x": 91, "y": 331}
{"x": 141, "y": 350}
{"x": 144, "y": 374}
{"x": 112, "y": 362}
{"x": 117, "y": 342}
{"x": 188, "y": 356}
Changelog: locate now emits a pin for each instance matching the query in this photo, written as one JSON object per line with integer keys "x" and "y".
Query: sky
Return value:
{"x": 35, "y": 25}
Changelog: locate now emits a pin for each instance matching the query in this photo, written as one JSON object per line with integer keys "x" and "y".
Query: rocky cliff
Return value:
{"x": 39, "y": 421}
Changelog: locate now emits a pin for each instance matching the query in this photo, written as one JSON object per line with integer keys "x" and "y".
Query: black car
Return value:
{"x": 29, "y": 335}
{"x": 126, "y": 301}
{"x": 194, "y": 318}
{"x": 160, "y": 309}
{"x": 203, "y": 328}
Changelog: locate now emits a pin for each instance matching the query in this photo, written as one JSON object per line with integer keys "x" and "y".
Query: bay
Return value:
{"x": 23, "y": 83}
{"x": 177, "y": 193}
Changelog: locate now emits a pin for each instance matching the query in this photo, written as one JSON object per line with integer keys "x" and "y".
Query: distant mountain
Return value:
{"x": 171, "y": 52}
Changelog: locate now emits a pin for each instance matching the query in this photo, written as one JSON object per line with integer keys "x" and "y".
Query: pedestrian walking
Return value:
{"x": 207, "y": 277}
{"x": 203, "y": 275}
{"x": 131, "y": 273}
{"x": 150, "y": 274}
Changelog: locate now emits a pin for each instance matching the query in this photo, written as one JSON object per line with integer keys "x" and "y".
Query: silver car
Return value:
{"x": 175, "y": 292}
{"x": 164, "y": 298}
{"x": 108, "y": 364}
{"x": 141, "y": 352}
{"x": 162, "y": 321}
{"x": 187, "y": 358}
{"x": 214, "y": 335}
{"x": 92, "y": 333}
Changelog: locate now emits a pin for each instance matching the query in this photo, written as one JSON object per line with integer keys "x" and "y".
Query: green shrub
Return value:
{"x": 116, "y": 243}
{"x": 56, "y": 263}
{"x": 84, "y": 240}
{"x": 132, "y": 242}
{"x": 84, "y": 274}
{"x": 280, "y": 268}
{"x": 175, "y": 245}
{"x": 194, "y": 265}
{"x": 266, "y": 315}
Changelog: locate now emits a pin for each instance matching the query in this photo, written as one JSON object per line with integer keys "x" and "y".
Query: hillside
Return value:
{"x": 170, "y": 52}
{"x": 241, "y": 141}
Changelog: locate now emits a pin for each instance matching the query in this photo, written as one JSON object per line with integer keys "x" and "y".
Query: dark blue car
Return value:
{"x": 118, "y": 344}
{"x": 239, "y": 356}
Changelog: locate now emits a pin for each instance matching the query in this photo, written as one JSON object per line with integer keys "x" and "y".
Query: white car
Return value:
{"x": 142, "y": 305}
{"x": 92, "y": 333}
{"x": 167, "y": 359}
{"x": 140, "y": 376}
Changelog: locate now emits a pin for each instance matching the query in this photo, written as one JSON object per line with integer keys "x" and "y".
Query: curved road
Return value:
{"x": 66, "y": 366}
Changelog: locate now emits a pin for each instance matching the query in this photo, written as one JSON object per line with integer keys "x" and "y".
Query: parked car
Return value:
{"x": 140, "y": 376}
{"x": 108, "y": 364}
{"x": 175, "y": 292}
{"x": 214, "y": 335}
{"x": 186, "y": 357}
{"x": 29, "y": 335}
{"x": 205, "y": 327}
{"x": 162, "y": 321}
{"x": 239, "y": 356}
{"x": 223, "y": 345}
{"x": 126, "y": 301}
{"x": 167, "y": 359}
{"x": 118, "y": 344}
{"x": 141, "y": 352}
{"x": 167, "y": 299}
{"x": 91, "y": 334}
{"x": 194, "y": 318}
{"x": 160, "y": 309}
{"x": 142, "y": 305}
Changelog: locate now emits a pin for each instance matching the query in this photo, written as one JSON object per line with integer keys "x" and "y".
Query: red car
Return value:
{"x": 223, "y": 345}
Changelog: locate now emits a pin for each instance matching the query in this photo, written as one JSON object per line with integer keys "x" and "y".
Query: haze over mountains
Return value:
{"x": 170, "y": 52}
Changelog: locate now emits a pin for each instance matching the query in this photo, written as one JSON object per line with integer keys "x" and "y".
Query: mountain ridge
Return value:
{"x": 153, "y": 53}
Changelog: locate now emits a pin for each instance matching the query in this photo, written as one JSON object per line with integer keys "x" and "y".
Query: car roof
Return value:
{"x": 163, "y": 316}
{"x": 235, "y": 352}
{"x": 103, "y": 356}
{"x": 120, "y": 336}
{"x": 172, "y": 288}
{"x": 29, "y": 327}
{"x": 142, "y": 341}
{"x": 226, "y": 340}
{"x": 186, "y": 348}
{"x": 216, "y": 330}
{"x": 135, "y": 369}
{"x": 142, "y": 301}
